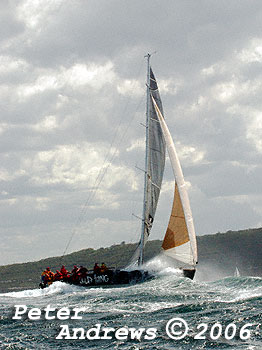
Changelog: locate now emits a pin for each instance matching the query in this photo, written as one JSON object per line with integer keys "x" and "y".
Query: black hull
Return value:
{"x": 109, "y": 278}
{"x": 189, "y": 273}
{"x": 115, "y": 277}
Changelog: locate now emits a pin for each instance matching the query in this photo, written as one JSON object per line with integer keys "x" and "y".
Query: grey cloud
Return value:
{"x": 10, "y": 25}
{"x": 201, "y": 46}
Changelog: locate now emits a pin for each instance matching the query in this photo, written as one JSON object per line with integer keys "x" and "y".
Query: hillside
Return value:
{"x": 220, "y": 252}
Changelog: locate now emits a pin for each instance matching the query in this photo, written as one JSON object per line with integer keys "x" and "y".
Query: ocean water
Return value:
{"x": 221, "y": 314}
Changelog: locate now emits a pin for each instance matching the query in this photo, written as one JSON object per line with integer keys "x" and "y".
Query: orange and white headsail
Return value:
{"x": 180, "y": 239}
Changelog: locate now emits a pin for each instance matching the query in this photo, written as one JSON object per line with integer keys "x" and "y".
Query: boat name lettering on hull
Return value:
{"x": 96, "y": 279}
{"x": 102, "y": 279}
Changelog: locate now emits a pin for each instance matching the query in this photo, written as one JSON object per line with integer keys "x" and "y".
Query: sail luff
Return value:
{"x": 145, "y": 201}
{"x": 179, "y": 178}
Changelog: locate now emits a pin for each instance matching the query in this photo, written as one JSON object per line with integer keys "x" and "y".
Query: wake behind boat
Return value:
{"x": 179, "y": 243}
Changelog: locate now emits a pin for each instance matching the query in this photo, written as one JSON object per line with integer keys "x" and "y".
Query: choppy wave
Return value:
{"x": 55, "y": 288}
{"x": 149, "y": 304}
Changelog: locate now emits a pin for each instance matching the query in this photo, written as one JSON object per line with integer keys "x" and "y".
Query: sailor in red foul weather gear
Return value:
{"x": 74, "y": 274}
{"x": 97, "y": 269}
{"x": 58, "y": 276}
{"x": 47, "y": 276}
{"x": 65, "y": 274}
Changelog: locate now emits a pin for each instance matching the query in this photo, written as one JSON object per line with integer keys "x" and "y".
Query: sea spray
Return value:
{"x": 227, "y": 306}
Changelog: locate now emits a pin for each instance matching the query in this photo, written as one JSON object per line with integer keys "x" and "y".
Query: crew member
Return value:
{"x": 74, "y": 274}
{"x": 47, "y": 276}
{"x": 103, "y": 268}
{"x": 82, "y": 273}
{"x": 64, "y": 272}
{"x": 97, "y": 268}
{"x": 58, "y": 276}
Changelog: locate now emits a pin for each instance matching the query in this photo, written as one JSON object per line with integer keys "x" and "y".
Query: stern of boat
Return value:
{"x": 189, "y": 273}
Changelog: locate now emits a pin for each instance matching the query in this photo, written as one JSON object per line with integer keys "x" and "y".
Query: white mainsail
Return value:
{"x": 154, "y": 167}
{"x": 180, "y": 239}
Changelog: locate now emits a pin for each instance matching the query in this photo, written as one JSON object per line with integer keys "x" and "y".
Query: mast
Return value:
{"x": 143, "y": 228}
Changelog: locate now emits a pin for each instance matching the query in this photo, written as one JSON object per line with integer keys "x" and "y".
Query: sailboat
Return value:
{"x": 179, "y": 243}
{"x": 236, "y": 273}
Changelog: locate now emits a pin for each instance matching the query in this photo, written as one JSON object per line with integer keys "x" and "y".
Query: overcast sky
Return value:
{"x": 72, "y": 100}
